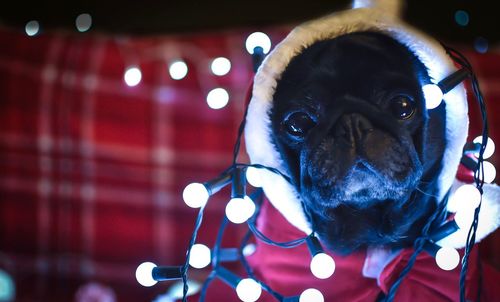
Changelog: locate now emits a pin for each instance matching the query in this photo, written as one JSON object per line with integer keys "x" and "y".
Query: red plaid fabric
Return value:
{"x": 91, "y": 170}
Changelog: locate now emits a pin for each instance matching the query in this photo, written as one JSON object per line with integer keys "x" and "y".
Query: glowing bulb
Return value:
{"x": 481, "y": 45}
{"x": 464, "y": 218}
{"x": 462, "y": 17}
{"x": 249, "y": 249}
{"x": 220, "y": 66}
{"x": 195, "y": 195}
{"x": 178, "y": 70}
{"x": 144, "y": 274}
{"x": 248, "y": 290}
{"x": 200, "y": 256}
{"x": 489, "y": 172}
{"x": 7, "y": 287}
{"x": 254, "y": 176}
{"x": 83, "y": 22}
{"x": 466, "y": 197}
{"x": 239, "y": 210}
{"x": 490, "y": 147}
{"x": 322, "y": 266}
{"x": 217, "y": 98}
{"x": 433, "y": 95}
{"x": 32, "y": 28}
{"x": 311, "y": 295}
{"x": 258, "y": 39}
{"x": 132, "y": 76}
{"x": 447, "y": 258}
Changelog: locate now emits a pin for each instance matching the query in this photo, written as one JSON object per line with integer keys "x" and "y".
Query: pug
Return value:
{"x": 362, "y": 152}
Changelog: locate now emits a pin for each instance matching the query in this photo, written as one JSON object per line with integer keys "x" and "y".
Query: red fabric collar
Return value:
{"x": 287, "y": 270}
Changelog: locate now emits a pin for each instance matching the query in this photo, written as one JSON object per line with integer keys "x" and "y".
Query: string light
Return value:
{"x": 464, "y": 218}
{"x": 462, "y": 17}
{"x": 200, "y": 256}
{"x": 322, "y": 265}
{"x": 144, "y": 275}
{"x": 195, "y": 195}
{"x": 178, "y": 70}
{"x": 466, "y": 197}
{"x": 433, "y": 96}
{"x": 239, "y": 210}
{"x": 258, "y": 39}
{"x": 248, "y": 290}
{"x": 254, "y": 176}
{"x": 490, "y": 147}
{"x": 132, "y": 76}
{"x": 7, "y": 287}
{"x": 83, "y": 22}
{"x": 249, "y": 249}
{"x": 447, "y": 258}
{"x": 217, "y": 98}
{"x": 32, "y": 28}
{"x": 434, "y": 93}
{"x": 148, "y": 273}
{"x": 490, "y": 172}
{"x": 220, "y": 66}
{"x": 481, "y": 45}
{"x": 311, "y": 295}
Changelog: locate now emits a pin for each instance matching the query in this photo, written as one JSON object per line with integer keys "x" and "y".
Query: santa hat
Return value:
{"x": 381, "y": 16}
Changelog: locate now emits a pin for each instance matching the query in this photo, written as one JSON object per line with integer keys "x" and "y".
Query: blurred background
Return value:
{"x": 109, "y": 108}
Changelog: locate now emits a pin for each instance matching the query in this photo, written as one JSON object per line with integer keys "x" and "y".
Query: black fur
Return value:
{"x": 366, "y": 177}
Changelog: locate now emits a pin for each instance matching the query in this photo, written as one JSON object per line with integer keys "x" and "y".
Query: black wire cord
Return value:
{"x": 478, "y": 173}
{"x": 419, "y": 243}
{"x": 479, "y": 181}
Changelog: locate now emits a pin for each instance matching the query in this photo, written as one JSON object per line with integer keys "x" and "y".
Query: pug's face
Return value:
{"x": 350, "y": 123}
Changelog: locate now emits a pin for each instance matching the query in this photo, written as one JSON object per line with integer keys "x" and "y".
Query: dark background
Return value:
{"x": 159, "y": 17}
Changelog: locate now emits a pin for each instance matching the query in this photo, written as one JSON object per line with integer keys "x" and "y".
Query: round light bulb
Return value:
{"x": 220, "y": 66}
{"x": 466, "y": 197}
{"x": 217, "y": 98}
{"x": 464, "y": 218}
{"x": 490, "y": 147}
{"x": 248, "y": 290}
{"x": 249, "y": 249}
{"x": 433, "y": 95}
{"x": 489, "y": 172}
{"x": 32, "y": 28}
{"x": 254, "y": 176}
{"x": 447, "y": 258}
{"x": 200, "y": 256}
{"x": 144, "y": 274}
{"x": 195, "y": 195}
{"x": 311, "y": 295}
{"x": 132, "y": 76}
{"x": 7, "y": 287}
{"x": 258, "y": 39}
{"x": 178, "y": 70}
{"x": 322, "y": 266}
{"x": 239, "y": 210}
{"x": 83, "y": 22}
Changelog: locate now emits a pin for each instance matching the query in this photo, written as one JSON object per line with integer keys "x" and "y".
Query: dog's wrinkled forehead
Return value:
{"x": 360, "y": 64}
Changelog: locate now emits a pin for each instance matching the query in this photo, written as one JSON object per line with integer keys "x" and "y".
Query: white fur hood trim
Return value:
{"x": 258, "y": 125}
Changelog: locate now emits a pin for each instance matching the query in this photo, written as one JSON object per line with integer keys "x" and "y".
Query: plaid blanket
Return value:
{"x": 91, "y": 170}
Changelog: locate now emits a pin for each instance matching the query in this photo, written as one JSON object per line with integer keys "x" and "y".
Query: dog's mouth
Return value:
{"x": 376, "y": 169}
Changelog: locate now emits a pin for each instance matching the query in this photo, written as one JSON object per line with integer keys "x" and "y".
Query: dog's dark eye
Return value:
{"x": 402, "y": 107}
{"x": 298, "y": 124}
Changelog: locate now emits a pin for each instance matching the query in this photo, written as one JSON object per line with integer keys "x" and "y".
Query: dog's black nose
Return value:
{"x": 352, "y": 128}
